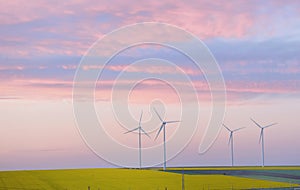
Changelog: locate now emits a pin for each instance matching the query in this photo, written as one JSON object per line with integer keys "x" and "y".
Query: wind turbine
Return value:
{"x": 231, "y": 140}
{"x": 140, "y": 129}
{"x": 163, "y": 126}
{"x": 261, "y": 139}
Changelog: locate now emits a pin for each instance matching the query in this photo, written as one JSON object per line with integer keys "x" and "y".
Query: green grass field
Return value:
{"x": 242, "y": 168}
{"x": 124, "y": 179}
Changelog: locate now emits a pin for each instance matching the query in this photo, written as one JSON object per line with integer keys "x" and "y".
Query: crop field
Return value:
{"x": 132, "y": 179}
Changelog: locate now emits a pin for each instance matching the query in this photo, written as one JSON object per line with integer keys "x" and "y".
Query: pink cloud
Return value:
{"x": 62, "y": 89}
{"x": 271, "y": 87}
{"x": 206, "y": 19}
{"x": 151, "y": 69}
{"x": 8, "y": 67}
{"x": 68, "y": 67}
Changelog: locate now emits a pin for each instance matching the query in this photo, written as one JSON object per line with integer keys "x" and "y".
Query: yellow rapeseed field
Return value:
{"x": 125, "y": 179}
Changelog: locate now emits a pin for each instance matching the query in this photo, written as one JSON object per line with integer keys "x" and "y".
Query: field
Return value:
{"x": 137, "y": 179}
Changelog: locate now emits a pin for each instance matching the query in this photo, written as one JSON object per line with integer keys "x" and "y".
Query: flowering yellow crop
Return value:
{"x": 133, "y": 179}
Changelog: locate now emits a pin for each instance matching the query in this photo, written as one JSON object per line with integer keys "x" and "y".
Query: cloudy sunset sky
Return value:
{"x": 256, "y": 44}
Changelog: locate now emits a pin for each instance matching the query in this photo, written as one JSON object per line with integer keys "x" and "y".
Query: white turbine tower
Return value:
{"x": 163, "y": 126}
{"x": 231, "y": 140}
{"x": 261, "y": 139}
{"x": 140, "y": 129}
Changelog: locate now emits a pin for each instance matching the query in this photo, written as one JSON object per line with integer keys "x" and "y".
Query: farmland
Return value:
{"x": 108, "y": 178}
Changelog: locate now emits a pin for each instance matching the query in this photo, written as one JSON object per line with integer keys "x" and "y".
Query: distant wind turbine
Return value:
{"x": 163, "y": 126}
{"x": 261, "y": 139}
{"x": 231, "y": 140}
{"x": 140, "y": 129}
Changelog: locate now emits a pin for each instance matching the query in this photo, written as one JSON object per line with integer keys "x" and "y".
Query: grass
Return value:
{"x": 123, "y": 179}
{"x": 241, "y": 168}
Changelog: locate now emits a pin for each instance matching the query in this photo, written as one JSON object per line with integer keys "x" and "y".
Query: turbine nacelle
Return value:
{"x": 163, "y": 123}
{"x": 231, "y": 132}
{"x": 139, "y": 127}
{"x": 262, "y": 128}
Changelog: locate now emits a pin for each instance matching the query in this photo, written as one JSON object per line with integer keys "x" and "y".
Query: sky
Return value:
{"x": 255, "y": 44}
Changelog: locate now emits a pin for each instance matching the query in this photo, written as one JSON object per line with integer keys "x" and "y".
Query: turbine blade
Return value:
{"x": 172, "y": 121}
{"x": 161, "y": 127}
{"x": 158, "y": 115}
{"x": 270, "y": 125}
{"x": 145, "y": 132}
{"x": 226, "y": 127}
{"x": 260, "y": 137}
{"x": 230, "y": 138}
{"x": 256, "y": 123}
{"x": 141, "y": 118}
{"x": 238, "y": 129}
{"x": 131, "y": 130}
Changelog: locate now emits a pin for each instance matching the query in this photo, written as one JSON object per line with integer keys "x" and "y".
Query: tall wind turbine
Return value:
{"x": 163, "y": 126}
{"x": 231, "y": 140}
{"x": 140, "y": 129}
{"x": 261, "y": 139}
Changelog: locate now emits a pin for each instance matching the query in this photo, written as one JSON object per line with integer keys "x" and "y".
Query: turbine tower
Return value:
{"x": 261, "y": 139}
{"x": 231, "y": 141}
{"x": 163, "y": 126}
{"x": 140, "y": 129}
